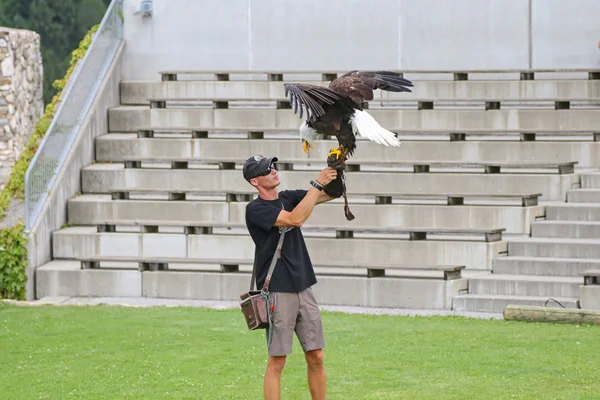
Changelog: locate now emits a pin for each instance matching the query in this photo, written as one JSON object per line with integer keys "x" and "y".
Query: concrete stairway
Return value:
{"x": 157, "y": 154}
{"x": 547, "y": 265}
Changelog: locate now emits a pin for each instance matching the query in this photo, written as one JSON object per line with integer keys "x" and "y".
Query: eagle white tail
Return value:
{"x": 365, "y": 125}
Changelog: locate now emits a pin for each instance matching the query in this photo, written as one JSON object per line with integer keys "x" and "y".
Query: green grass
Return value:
{"x": 104, "y": 352}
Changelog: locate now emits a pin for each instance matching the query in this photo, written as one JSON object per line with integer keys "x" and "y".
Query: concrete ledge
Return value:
{"x": 95, "y": 209}
{"x": 554, "y": 247}
{"x": 573, "y": 212}
{"x": 144, "y": 151}
{"x": 137, "y": 92}
{"x": 566, "y": 229}
{"x": 65, "y": 278}
{"x": 589, "y": 297}
{"x": 553, "y": 286}
{"x": 131, "y": 118}
{"x": 90, "y": 210}
{"x": 194, "y": 285}
{"x": 543, "y": 266}
{"x": 74, "y": 243}
{"x": 591, "y": 180}
{"x": 118, "y": 146}
{"x": 388, "y": 292}
{"x": 583, "y": 196}
{"x": 497, "y": 303}
{"x": 101, "y": 178}
{"x": 330, "y": 290}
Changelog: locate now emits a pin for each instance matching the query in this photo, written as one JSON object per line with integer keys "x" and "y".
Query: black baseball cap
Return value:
{"x": 258, "y": 166}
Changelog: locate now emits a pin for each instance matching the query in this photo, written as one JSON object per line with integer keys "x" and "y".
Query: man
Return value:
{"x": 295, "y": 307}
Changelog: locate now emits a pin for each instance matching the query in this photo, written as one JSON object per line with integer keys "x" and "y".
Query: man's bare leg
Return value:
{"x": 316, "y": 373}
{"x": 273, "y": 377}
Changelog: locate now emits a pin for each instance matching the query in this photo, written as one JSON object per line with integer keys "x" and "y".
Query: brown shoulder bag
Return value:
{"x": 255, "y": 304}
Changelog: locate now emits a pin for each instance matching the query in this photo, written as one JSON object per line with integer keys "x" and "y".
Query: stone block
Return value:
{"x": 589, "y": 297}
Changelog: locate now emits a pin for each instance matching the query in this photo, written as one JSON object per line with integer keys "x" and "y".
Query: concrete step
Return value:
{"x": 138, "y": 92}
{"x": 101, "y": 178}
{"x": 583, "y": 196}
{"x": 518, "y": 265}
{"x": 65, "y": 278}
{"x": 97, "y": 209}
{"x": 526, "y": 285}
{"x": 497, "y": 303}
{"x": 573, "y": 212}
{"x": 554, "y": 247}
{"x": 120, "y": 146}
{"x": 566, "y": 229}
{"x": 590, "y": 180}
{"x": 82, "y": 242}
{"x": 131, "y": 118}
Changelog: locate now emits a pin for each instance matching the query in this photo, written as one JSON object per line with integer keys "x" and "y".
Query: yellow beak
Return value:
{"x": 306, "y": 146}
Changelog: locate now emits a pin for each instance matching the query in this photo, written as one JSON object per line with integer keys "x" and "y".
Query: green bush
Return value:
{"x": 13, "y": 263}
{"x": 13, "y": 244}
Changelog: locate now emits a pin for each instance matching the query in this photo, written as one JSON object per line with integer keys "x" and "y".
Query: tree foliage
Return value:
{"x": 61, "y": 25}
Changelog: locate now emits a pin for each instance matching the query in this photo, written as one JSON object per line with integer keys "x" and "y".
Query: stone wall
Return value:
{"x": 21, "y": 89}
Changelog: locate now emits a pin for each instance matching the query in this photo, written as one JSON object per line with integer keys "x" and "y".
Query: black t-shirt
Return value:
{"x": 294, "y": 271}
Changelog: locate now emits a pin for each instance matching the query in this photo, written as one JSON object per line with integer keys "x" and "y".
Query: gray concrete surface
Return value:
{"x": 464, "y": 34}
{"x": 551, "y": 247}
{"x": 583, "y": 196}
{"x": 81, "y": 242}
{"x": 65, "y": 279}
{"x": 139, "y": 92}
{"x": 98, "y": 209}
{"x": 59, "y": 278}
{"x": 591, "y": 181}
{"x": 566, "y": 229}
{"x": 511, "y": 285}
{"x": 496, "y": 303}
{"x": 116, "y": 147}
{"x": 573, "y": 212}
{"x": 132, "y": 118}
{"x": 53, "y": 214}
{"x": 543, "y": 266}
{"x": 590, "y": 297}
{"x": 332, "y": 290}
{"x": 102, "y": 178}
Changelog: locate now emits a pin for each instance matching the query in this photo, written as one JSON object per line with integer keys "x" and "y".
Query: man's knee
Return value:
{"x": 315, "y": 358}
{"x": 276, "y": 363}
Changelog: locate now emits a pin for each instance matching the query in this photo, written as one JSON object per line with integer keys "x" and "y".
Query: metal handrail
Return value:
{"x": 74, "y": 106}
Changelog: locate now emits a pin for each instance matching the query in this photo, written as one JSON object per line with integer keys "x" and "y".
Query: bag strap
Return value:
{"x": 274, "y": 261}
{"x": 276, "y": 256}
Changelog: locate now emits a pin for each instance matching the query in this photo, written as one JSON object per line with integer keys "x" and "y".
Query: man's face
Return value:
{"x": 268, "y": 181}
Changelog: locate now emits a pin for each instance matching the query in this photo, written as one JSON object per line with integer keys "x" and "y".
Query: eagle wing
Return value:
{"x": 359, "y": 85}
{"x": 314, "y": 99}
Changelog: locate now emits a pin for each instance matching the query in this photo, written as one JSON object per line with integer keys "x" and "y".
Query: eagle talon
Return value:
{"x": 306, "y": 146}
{"x": 336, "y": 152}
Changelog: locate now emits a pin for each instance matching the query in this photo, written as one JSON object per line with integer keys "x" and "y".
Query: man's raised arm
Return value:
{"x": 302, "y": 211}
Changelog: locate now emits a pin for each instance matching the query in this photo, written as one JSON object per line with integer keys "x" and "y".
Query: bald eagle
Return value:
{"x": 337, "y": 111}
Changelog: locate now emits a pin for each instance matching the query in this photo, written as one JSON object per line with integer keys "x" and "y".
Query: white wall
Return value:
{"x": 565, "y": 33}
{"x": 348, "y": 34}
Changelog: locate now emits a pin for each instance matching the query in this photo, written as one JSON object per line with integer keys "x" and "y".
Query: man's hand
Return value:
{"x": 327, "y": 175}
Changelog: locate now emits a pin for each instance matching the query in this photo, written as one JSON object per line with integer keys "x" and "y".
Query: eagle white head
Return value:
{"x": 308, "y": 136}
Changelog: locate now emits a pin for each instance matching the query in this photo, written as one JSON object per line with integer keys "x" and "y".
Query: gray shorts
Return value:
{"x": 297, "y": 312}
